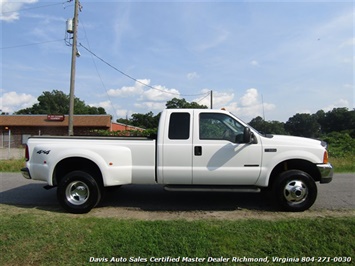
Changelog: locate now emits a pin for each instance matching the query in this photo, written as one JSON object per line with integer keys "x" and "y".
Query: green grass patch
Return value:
{"x": 12, "y": 165}
{"x": 343, "y": 164}
{"x": 40, "y": 238}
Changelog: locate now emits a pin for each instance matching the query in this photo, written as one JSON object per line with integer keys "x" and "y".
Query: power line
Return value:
{"x": 204, "y": 97}
{"x": 136, "y": 80}
{"x": 29, "y": 8}
{"x": 97, "y": 70}
{"x": 29, "y": 44}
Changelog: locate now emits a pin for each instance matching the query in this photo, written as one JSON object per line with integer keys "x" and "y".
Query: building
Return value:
{"x": 16, "y": 129}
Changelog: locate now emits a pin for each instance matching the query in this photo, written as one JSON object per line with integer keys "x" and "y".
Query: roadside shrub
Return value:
{"x": 340, "y": 144}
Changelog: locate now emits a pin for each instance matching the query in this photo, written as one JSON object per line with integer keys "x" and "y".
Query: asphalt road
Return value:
{"x": 17, "y": 191}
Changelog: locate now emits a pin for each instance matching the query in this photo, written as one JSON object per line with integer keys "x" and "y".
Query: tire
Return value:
{"x": 295, "y": 191}
{"x": 78, "y": 192}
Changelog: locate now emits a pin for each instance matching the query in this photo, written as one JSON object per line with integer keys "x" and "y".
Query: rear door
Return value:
{"x": 176, "y": 150}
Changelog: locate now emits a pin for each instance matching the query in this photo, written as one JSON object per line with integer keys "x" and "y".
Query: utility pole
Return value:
{"x": 72, "y": 74}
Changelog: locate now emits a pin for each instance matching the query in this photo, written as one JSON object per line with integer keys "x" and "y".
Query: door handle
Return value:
{"x": 198, "y": 150}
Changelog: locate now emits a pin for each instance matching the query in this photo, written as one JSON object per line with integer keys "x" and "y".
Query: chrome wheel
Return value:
{"x": 295, "y": 191}
{"x": 77, "y": 193}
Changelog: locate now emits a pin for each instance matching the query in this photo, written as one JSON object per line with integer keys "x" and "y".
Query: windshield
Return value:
{"x": 253, "y": 129}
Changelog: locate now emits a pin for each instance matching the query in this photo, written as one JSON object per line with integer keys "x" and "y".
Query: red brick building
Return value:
{"x": 18, "y": 128}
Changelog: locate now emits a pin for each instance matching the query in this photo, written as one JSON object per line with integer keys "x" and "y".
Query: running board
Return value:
{"x": 211, "y": 188}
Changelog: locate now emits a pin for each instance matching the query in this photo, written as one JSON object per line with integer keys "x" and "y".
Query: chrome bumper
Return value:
{"x": 26, "y": 173}
{"x": 326, "y": 172}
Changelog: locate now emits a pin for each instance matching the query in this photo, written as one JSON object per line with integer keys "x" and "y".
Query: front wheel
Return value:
{"x": 295, "y": 190}
{"x": 78, "y": 192}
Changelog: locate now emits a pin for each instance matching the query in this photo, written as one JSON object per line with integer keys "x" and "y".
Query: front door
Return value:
{"x": 220, "y": 156}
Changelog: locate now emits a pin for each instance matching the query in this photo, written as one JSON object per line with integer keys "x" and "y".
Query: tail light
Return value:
{"x": 27, "y": 154}
{"x": 325, "y": 157}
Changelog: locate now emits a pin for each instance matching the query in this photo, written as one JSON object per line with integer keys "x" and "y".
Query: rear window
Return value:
{"x": 179, "y": 127}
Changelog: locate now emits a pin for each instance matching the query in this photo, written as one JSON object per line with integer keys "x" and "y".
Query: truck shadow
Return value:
{"x": 151, "y": 198}
{"x": 155, "y": 198}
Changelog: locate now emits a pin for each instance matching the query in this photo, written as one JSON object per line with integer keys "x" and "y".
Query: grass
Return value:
{"x": 11, "y": 165}
{"x": 341, "y": 165}
{"x": 344, "y": 164}
{"x": 39, "y": 238}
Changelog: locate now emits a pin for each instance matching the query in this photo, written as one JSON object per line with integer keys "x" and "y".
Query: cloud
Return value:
{"x": 160, "y": 93}
{"x": 10, "y": 9}
{"x": 217, "y": 37}
{"x": 105, "y": 104}
{"x": 247, "y": 107}
{"x": 158, "y": 106}
{"x": 220, "y": 99}
{"x": 153, "y": 98}
{"x": 192, "y": 75}
{"x": 254, "y": 63}
{"x": 348, "y": 42}
{"x": 339, "y": 103}
{"x": 250, "y": 98}
{"x": 13, "y": 101}
{"x": 129, "y": 91}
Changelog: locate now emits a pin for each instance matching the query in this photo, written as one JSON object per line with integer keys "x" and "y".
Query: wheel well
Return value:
{"x": 76, "y": 163}
{"x": 296, "y": 164}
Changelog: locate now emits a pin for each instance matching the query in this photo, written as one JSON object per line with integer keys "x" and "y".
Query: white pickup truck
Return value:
{"x": 194, "y": 150}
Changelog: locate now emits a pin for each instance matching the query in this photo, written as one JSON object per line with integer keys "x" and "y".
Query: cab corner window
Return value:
{"x": 179, "y": 127}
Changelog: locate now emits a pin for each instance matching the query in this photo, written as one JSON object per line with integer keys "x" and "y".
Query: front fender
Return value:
{"x": 270, "y": 161}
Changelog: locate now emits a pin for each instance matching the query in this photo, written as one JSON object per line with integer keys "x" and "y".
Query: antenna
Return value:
{"x": 262, "y": 104}
{"x": 211, "y": 99}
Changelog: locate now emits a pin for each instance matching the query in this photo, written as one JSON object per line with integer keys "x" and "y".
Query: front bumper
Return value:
{"x": 326, "y": 173}
{"x": 26, "y": 173}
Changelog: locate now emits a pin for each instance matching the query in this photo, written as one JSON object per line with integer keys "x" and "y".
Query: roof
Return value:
{"x": 120, "y": 127}
{"x": 44, "y": 121}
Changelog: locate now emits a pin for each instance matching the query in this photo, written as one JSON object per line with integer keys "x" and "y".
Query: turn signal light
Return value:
{"x": 325, "y": 157}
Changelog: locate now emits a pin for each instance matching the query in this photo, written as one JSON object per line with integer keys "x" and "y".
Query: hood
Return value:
{"x": 294, "y": 141}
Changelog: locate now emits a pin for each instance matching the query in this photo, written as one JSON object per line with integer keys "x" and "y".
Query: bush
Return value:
{"x": 340, "y": 144}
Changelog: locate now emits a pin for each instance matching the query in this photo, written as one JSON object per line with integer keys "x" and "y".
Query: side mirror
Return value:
{"x": 247, "y": 136}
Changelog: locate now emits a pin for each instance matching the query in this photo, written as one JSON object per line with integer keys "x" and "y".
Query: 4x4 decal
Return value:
{"x": 44, "y": 152}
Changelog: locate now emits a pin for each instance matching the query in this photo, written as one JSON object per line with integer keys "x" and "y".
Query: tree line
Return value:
{"x": 336, "y": 126}
{"x": 301, "y": 124}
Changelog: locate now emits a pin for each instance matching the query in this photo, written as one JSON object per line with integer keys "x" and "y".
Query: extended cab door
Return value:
{"x": 220, "y": 154}
{"x": 175, "y": 148}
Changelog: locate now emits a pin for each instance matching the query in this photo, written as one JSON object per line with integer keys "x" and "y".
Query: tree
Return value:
{"x": 339, "y": 119}
{"x": 268, "y": 127}
{"x": 304, "y": 125}
{"x": 148, "y": 120}
{"x": 183, "y": 104}
{"x": 57, "y": 102}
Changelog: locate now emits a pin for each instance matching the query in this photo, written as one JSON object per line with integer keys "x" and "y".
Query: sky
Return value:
{"x": 258, "y": 58}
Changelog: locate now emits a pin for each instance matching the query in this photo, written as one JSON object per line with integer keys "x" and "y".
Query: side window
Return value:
{"x": 220, "y": 127}
{"x": 179, "y": 127}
